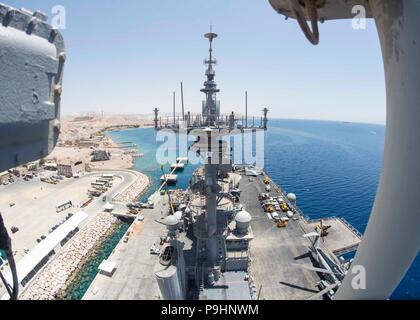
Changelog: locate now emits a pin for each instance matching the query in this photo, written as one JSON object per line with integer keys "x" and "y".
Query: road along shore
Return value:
{"x": 58, "y": 274}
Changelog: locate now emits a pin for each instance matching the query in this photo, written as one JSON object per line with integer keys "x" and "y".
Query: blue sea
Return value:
{"x": 333, "y": 167}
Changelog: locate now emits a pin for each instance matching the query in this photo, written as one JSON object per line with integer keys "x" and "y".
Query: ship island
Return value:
{"x": 232, "y": 234}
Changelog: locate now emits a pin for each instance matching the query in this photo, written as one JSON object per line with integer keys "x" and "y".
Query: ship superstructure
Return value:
{"x": 232, "y": 234}
{"x": 211, "y": 206}
{"x": 212, "y": 219}
{"x": 211, "y": 116}
{"x": 211, "y": 106}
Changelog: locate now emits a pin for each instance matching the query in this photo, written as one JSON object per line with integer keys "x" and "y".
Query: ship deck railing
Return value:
{"x": 344, "y": 221}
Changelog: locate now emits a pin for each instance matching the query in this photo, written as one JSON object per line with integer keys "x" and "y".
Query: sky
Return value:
{"x": 128, "y": 56}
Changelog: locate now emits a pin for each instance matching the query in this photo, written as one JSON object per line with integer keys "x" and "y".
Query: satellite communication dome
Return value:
{"x": 243, "y": 217}
{"x": 292, "y": 197}
{"x": 242, "y": 220}
{"x": 171, "y": 221}
{"x": 178, "y": 215}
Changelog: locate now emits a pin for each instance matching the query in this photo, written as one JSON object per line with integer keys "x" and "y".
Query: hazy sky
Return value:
{"x": 128, "y": 56}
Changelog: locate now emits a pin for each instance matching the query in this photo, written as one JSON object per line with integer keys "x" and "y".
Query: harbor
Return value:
{"x": 52, "y": 281}
{"x": 62, "y": 242}
{"x": 224, "y": 199}
{"x": 272, "y": 252}
{"x": 231, "y": 234}
{"x": 271, "y": 248}
{"x": 133, "y": 277}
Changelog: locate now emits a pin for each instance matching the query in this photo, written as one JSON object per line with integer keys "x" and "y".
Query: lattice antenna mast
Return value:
{"x": 211, "y": 109}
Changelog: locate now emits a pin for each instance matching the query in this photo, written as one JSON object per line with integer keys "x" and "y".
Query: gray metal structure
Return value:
{"x": 265, "y": 118}
{"x": 217, "y": 159}
{"x": 31, "y": 73}
{"x": 32, "y": 57}
{"x": 156, "y": 118}
{"x": 209, "y": 128}
{"x": 246, "y": 109}
{"x": 170, "y": 272}
{"x": 390, "y": 245}
{"x": 182, "y": 102}
{"x": 211, "y": 107}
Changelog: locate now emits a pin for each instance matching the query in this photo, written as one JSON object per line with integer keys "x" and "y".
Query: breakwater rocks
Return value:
{"x": 54, "y": 279}
{"x": 134, "y": 191}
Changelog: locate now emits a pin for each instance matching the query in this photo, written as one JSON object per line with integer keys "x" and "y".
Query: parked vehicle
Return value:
{"x": 154, "y": 250}
{"x": 263, "y": 196}
{"x": 149, "y": 205}
{"x": 14, "y": 229}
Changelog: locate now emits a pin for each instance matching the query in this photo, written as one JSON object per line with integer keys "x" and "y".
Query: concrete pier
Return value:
{"x": 53, "y": 279}
{"x": 134, "y": 277}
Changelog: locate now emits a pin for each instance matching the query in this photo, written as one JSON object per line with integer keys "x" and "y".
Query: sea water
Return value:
{"x": 85, "y": 277}
{"x": 333, "y": 167}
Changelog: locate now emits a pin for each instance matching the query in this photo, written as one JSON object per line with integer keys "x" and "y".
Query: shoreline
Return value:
{"x": 61, "y": 295}
{"x": 63, "y": 271}
{"x": 134, "y": 196}
{"x": 121, "y": 128}
{"x": 56, "y": 275}
{"x": 132, "y": 167}
{"x": 77, "y": 277}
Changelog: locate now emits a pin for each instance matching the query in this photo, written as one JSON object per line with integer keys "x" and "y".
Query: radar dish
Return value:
{"x": 210, "y": 35}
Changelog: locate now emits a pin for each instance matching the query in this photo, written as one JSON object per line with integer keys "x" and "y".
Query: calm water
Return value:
{"x": 84, "y": 278}
{"x": 146, "y": 140}
{"x": 333, "y": 168}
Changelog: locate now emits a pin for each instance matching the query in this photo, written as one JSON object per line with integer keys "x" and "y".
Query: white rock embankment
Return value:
{"x": 54, "y": 277}
{"x": 135, "y": 190}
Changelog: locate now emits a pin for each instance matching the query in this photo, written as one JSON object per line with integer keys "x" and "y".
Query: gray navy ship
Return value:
{"x": 233, "y": 234}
